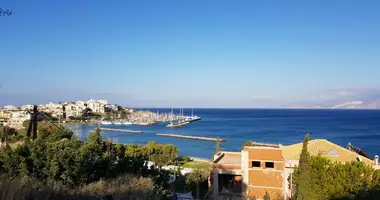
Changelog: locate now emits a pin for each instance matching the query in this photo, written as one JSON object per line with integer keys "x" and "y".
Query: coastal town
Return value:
{"x": 92, "y": 111}
{"x": 15, "y": 116}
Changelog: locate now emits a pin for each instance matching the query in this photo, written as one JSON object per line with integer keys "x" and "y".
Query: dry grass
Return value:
{"x": 123, "y": 187}
{"x": 127, "y": 187}
{"x": 197, "y": 165}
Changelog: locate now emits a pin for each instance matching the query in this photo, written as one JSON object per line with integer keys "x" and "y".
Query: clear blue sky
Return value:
{"x": 191, "y": 53}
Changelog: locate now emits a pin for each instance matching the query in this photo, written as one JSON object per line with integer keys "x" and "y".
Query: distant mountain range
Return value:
{"x": 358, "y": 105}
{"x": 345, "y": 105}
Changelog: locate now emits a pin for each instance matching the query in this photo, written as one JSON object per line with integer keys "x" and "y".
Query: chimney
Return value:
{"x": 376, "y": 160}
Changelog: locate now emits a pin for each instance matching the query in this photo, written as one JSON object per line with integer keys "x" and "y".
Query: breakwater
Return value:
{"x": 120, "y": 130}
{"x": 191, "y": 137}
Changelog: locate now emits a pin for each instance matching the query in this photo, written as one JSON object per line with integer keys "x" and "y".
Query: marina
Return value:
{"x": 192, "y": 137}
{"x": 148, "y": 118}
{"x": 120, "y": 130}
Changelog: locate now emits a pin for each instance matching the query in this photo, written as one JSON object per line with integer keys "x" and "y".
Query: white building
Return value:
{"x": 74, "y": 110}
{"x": 96, "y": 106}
{"x": 27, "y": 107}
{"x": 18, "y": 118}
{"x": 10, "y": 107}
{"x": 54, "y": 109}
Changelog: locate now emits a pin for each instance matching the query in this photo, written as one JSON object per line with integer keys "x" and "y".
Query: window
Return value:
{"x": 256, "y": 164}
{"x": 269, "y": 164}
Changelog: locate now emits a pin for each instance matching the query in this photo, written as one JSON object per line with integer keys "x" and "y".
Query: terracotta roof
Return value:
{"x": 323, "y": 148}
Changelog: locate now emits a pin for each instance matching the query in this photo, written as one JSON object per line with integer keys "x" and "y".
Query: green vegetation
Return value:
{"x": 10, "y": 134}
{"x": 318, "y": 178}
{"x": 57, "y": 165}
{"x": 160, "y": 154}
{"x": 197, "y": 177}
{"x": 303, "y": 185}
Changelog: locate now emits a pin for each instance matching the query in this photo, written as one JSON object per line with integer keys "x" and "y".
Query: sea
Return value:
{"x": 361, "y": 128}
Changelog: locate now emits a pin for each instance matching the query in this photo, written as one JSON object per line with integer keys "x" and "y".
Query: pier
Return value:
{"x": 120, "y": 130}
{"x": 191, "y": 137}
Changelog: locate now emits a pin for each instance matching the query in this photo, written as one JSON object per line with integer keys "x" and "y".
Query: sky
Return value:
{"x": 190, "y": 53}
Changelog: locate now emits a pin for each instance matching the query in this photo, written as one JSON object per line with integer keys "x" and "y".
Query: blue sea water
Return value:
{"x": 285, "y": 126}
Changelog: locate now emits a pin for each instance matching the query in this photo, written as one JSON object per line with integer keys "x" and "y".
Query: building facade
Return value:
{"x": 253, "y": 172}
{"x": 260, "y": 169}
{"x": 18, "y": 118}
{"x": 4, "y": 117}
{"x": 96, "y": 106}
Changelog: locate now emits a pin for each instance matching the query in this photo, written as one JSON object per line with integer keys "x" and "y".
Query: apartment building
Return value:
{"x": 96, "y": 106}
{"x": 4, "y": 117}
{"x": 260, "y": 169}
{"x": 10, "y": 107}
{"x": 73, "y": 109}
{"x": 18, "y": 118}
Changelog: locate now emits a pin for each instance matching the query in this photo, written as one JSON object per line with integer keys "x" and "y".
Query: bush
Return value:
{"x": 160, "y": 154}
{"x": 122, "y": 187}
{"x": 332, "y": 180}
{"x": 185, "y": 159}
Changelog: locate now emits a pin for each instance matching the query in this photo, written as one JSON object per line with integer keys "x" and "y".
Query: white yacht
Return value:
{"x": 127, "y": 123}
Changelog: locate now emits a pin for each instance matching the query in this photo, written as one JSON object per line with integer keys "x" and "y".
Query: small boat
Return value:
{"x": 194, "y": 118}
{"x": 118, "y": 123}
{"x": 106, "y": 122}
{"x": 127, "y": 123}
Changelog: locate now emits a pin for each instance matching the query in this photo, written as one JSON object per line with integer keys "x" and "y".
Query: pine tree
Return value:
{"x": 304, "y": 185}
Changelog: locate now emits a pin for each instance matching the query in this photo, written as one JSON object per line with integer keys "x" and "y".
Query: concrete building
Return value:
{"x": 27, "y": 107}
{"x": 10, "y": 107}
{"x": 96, "y": 106}
{"x": 73, "y": 109}
{"x": 18, "y": 118}
{"x": 256, "y": 170}
{"x": 265, "y": 168}
{"x": 4, "y": 117}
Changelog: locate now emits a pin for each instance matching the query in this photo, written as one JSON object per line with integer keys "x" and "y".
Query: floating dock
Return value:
{"x": 191, "y": 137}
{"x": 120, "y": 130}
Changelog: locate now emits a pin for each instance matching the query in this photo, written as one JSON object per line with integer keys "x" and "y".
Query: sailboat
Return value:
{"x": 181, "y": 122}
{"x": 193, "y": 118}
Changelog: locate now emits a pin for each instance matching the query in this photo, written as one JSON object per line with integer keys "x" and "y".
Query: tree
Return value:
{"x": 266, "y": 196}
{"x": 86, "y": 113}
{"x": 303, "y": 188}
{"x": 197, "y": 177}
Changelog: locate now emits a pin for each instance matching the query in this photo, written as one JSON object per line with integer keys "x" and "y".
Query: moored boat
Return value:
{"x": 127, "y": 123}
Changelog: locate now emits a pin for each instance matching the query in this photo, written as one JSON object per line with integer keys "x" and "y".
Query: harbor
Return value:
{"x": 120, "y": 130}
{"x": 148, "y": 118}
{"x": 192, "y": 137}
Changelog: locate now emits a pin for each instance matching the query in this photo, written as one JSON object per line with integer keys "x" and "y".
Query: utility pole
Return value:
{"x": 32, "y": 129}
{"x": 35, "y": 121}
{"x": 217, "y": 145}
